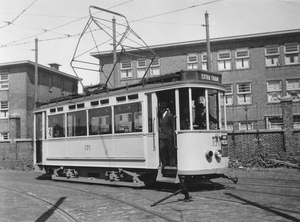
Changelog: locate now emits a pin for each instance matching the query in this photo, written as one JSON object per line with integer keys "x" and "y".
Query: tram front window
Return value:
{"x": 205, "y": 104}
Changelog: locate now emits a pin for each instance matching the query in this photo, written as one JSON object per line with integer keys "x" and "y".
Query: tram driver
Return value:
{"x": 167, "y": 151}
{"x": 200, "y": 118}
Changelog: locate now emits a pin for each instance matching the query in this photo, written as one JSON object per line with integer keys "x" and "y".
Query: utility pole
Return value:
{"x": 36, "y": 77}
{"x": 207, "y": 42}
{"x": 115, "y": 51}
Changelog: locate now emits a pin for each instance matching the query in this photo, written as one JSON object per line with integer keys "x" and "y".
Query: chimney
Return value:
{"x": 54, "y": 66}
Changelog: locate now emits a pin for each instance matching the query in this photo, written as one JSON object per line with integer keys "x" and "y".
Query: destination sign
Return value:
{"x": 210, "y": 77}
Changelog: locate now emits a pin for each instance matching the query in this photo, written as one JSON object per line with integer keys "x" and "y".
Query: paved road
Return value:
{"x": 267, "y": 195}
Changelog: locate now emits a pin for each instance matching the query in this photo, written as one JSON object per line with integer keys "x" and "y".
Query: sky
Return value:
{"x": 57, "y": 24}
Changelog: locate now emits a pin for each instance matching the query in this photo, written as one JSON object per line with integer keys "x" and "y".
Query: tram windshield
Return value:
{"x": 199, "y": 109}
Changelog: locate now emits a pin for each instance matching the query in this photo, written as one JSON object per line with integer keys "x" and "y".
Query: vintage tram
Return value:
{"x": 111, "y": 136}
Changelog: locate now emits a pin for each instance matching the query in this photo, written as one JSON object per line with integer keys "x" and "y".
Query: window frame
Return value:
{"x": 243, "y": 59}
{"x": 4, "y": 109}
{"x": 272, "y": 92}
{"x": 4, "y": 82}
{"x": 294, "y": 54}
{"x": 126, "y": 72}
{"x": 194, "y": 63}
{"x": 239, "y": 94}
{"x": 155, "y": 67}
{"x": 270, "y": 56}
{"x": 224, "y": 64}
{"x": 140, "y": 69}
{"x": 293, "y": 90}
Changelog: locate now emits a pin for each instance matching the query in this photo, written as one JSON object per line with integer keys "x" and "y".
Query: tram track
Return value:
{"x": 63, "y": 214}
{"x": 107, "y": 196}
{"x": 125, "y": 199}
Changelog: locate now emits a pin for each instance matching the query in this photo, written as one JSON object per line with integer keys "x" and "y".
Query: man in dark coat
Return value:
{"x": 167, "y": 150}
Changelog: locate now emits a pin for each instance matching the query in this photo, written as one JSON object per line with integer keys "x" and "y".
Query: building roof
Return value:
{"x": 30, "y": 63}
{"x": 214, "y": 40}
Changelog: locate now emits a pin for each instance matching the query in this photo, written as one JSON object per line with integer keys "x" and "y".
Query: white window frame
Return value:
{"x": 291, "y": 53}
{"x": 126, "y": 71}
{"x": 276, "y": 125}
{"x": 4, "y": 109}
{"x": 242, "y": 60}
{"x": 293, "y": 88}
{"x": 155, "y": 67}
{"x": 243, "y": 126}
{"x": 204, "y": 60}
{"x": 224, "y": 63}
{"x": 274, "y": 91}
{"x": 192, "y": 61}
{"x": 228, "y": 94}
{"x": 4, "y": 81}
{"x": 244, "y": 98}
{"x": 272, "y": 55}
{"x": 141, "y": 67}
{"x": 4, "y": 136}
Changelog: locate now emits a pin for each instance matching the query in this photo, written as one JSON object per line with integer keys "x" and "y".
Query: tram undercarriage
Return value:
{"x": 127, "y": 177}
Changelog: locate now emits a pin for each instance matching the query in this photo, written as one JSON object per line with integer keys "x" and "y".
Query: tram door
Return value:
{"x": 38, "y": 137}
{"x": 166, "y": 119}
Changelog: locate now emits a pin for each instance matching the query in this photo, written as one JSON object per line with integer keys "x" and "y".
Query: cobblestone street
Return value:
{"x": 266, "y": 195}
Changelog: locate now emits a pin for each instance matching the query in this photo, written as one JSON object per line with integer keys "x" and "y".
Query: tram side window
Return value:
{"x": 100, "y": 121}
{"x": 56, "y": 126}
{"x": 128, "y": 118}
{"x": 77, "y": 124}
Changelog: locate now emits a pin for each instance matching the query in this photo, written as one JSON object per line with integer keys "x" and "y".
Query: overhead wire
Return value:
{"x": 9, "y": 23}
{"x": 14, "y": 43}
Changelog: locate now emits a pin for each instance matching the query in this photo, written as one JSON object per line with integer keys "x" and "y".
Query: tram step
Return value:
{"x": 167, "y": 175}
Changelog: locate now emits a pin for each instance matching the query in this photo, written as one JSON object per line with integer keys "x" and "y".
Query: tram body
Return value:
{"x": 112, "y": 136}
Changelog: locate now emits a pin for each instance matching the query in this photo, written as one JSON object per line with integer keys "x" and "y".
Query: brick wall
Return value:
{"x": 16, "y": 154}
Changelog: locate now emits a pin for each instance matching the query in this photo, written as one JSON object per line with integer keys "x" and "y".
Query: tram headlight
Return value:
{"x": 218, "y": 154}
{"x": 209, "y": 154}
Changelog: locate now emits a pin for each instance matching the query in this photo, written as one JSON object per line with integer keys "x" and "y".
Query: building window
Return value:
{"x": 272, "y": 55}
{"x": 126, "y": 69}
{"x": 293, "y": 88}
{"x": 141, "y": 67}
{"x": 245, "y": 126}
{"x": 274, "y": 90}
{"x": 242, "y": 60}
{"x": 224, "y": 60}
{"x": 4, "y": 81}
{"x": 4, "y": 136}
{"x": 230, "y": 126}
{"x": 274, "y": 122}
{"x": 204, "y": 60}
{"x": 155, "y": 67}
{"x": 296, "y": 121}
{"x": 291, "y": 53}
{"x": 4, "y": 109}
{"x": 192, "y": 61}
{"x": 228, "y": 94}
{"x": 244, "y": 93}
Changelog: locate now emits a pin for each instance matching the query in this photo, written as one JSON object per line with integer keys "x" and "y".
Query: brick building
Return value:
{"x": 17, "y": 94}
{"x": 258, "y": 70}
